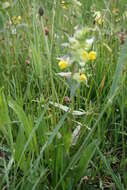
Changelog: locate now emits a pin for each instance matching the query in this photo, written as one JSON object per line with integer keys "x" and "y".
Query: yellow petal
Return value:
{"x": 92, "y": 55}
{"x": 63, "y": 64}
{"x": 83, "y": 77}
{"x": 85, "y": 55}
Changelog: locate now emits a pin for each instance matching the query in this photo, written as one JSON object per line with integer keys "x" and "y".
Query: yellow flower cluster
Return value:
{"x": 99, "y": 18}
{"x": 80, "y": 53}
{"x": 63, "y": 64}
{"x": 16, "y": 20}
{"x": 91, "y": 56}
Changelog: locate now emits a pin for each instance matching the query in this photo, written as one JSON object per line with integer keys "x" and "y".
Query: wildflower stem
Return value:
{"x": 72, "y": 98}
{"x": 52, "y": 30}
{"x": 49, "y": 61}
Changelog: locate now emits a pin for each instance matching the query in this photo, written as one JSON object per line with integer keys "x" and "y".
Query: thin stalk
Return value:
{"x": 48, "y": 50}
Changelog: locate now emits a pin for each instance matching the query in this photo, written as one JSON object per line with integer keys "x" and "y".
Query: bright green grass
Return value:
{"x": 35, "y": 136}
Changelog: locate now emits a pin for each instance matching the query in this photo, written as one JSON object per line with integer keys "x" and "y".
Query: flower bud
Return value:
{"x": 46, "y": 31}
{"x": 41, "y": 11}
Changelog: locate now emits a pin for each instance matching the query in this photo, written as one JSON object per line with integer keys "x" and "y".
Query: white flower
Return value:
{"x": 13, "y": 31}
{"x": 82, "y": 63}
{"x": 90, "y": 41}
{"x": 65, "y": 74}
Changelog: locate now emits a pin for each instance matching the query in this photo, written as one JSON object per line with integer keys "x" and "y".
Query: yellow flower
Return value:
{"x": 63, "y": 64}
{"x": 85, "y": 55}
{"x": 100, "y": 21}
{"x": 16, "y": 20}
{"x": 99, "y": 18}
{"x": 92, "y": 55}
{"x": 83, "y": 77}
{"x": 64, "y": 5}
{"x": 19, "y": 19}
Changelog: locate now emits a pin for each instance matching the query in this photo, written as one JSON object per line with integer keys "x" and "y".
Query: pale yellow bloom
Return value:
{"x": 19, "y": 19}
{"x": 99, "y": 18}
{"x": 16, "y": 20}
{"x": 115, "y": 11}
{"x": 100, "y": 21}
{"x": 92, "y": 55}
{"x": 85, "y": 55}
{"x": 63, "y": 64}
{"x": 125, "y": 15}
{"x": 83, "y": 77}
{"x": 64, "y": 5}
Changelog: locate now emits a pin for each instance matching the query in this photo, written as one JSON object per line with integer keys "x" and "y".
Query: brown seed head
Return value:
{"x": 46, "y": 31}
{"x": 66, "y": 100}
{"x": 41, "y": 10}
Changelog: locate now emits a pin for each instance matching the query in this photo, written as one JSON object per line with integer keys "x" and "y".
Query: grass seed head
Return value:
{"x": 41, "y": 11}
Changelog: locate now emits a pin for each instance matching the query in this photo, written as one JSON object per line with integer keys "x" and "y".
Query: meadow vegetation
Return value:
{"x": 63, "y": 92}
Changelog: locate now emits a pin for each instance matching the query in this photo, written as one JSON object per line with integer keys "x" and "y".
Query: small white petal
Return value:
{"x": 64, "y": 74}
{"x": 90, "y": 41}
{"x": 75, "y": 135}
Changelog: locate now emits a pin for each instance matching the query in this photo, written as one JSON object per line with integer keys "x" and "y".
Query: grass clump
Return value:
{"x": 63, "y": 95}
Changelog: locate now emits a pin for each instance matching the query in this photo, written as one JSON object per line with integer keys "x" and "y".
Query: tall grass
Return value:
{"x": 36, "y": 149}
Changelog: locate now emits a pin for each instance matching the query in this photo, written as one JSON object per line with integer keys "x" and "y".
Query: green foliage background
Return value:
{"x": 35, "y": 136}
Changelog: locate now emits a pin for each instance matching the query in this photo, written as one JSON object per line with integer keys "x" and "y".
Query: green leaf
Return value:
{"x": 86, "y": 156}
{"x": 118, "y": 71}
{"x": 113, "y": 175}
{"x": 31, "y": 135}
{"x": 20, "y": 141}
{"x": 50, "y": 139}
{"x": 21, "y": 116}
{"x": 14, "y": 2}
{"x": 5, "y": 125}
{"x": 1, "y": 22}
{"x": 25, "y": 129}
